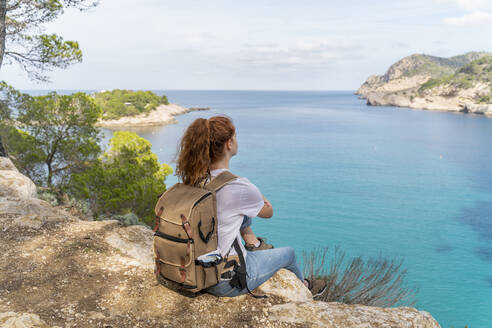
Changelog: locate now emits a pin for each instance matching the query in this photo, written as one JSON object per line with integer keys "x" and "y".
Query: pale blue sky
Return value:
{"x": 260, "y": 45}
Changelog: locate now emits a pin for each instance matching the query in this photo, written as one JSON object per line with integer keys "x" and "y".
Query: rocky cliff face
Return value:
{"x": 59, "y": 271}
{"x": 434, "y": 83}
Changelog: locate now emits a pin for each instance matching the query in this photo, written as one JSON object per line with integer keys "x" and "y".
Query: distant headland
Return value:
{"x": 456, "y": 84}
{"x": 127, "y": 108}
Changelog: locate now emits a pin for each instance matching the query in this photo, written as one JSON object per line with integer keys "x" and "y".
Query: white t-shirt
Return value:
{"x": 238, "y": 198}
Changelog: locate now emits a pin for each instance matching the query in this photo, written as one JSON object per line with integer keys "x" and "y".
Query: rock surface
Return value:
{"x": 14, "y": 184}
{"x": 59, "y": 271}
{"x": 6, "y": 164}
{"x": 322, "y": 314}
{"x": 163, "y": 115}
{"x": 21, "y": 320}
{"x": 401, "y": 86}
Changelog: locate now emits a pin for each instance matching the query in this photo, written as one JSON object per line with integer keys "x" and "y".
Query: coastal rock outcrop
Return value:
{"x": 162, "y": 115}
{"x": 21, "y": 320}
{"x": 456, "y": 84}
{"x": 57, "y": 270}
{"x": 322, "y": 314}
{"x": 14, "y": 183}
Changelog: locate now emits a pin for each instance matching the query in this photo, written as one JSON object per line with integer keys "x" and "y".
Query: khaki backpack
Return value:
{"x": 186, "y": 231}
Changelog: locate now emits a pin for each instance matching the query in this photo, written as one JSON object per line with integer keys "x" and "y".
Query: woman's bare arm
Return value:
{"x": 267, "y": 210}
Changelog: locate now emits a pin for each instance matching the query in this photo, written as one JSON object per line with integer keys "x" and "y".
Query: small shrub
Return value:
{"x": 79, "y": 207}
{"x": 376, "y": 282}
{"x": 48, "y": 195}
{"x": 430, "y": 84}
{"x": 483, "y": 60}
{"x": 126, "y": 219}
{"x": 471, "y": 68}
{"x": 485, "y": 99}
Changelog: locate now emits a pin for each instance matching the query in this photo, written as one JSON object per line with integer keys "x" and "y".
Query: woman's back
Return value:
{"x": 237, "y": 199}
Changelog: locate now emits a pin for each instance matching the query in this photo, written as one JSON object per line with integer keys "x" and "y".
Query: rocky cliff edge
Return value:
{"x": 59, "y": 271}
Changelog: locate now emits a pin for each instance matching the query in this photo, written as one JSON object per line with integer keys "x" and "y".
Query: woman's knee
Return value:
{"x": 290, "y": 252}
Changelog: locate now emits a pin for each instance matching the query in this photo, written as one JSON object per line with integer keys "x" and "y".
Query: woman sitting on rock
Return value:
{"x": 205, "y": 151}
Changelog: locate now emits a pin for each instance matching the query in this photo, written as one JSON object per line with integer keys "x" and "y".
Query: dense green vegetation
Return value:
{"x": 479, "y": 70}
{"x": 54, "y": 136}
{"x": 52, "y": 139}
{"x": 119, "y": 103}
{"x": 126, "y": 179}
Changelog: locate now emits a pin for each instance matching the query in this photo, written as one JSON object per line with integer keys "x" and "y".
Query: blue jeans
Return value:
{"x": 260, "y": 266}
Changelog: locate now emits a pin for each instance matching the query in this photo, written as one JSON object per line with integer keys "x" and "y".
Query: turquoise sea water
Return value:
{"x": 372, "y": 180}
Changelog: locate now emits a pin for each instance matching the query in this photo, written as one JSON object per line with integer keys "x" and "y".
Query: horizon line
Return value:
{"x": 137, "y": 89}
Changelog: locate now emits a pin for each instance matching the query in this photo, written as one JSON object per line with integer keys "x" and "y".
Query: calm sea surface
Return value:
{"x": 375, "y": 181}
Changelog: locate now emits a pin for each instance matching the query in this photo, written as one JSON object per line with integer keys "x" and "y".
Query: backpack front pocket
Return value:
{"x": 175, "y": 259}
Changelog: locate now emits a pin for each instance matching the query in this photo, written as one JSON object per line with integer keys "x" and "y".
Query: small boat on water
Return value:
{"x": 199, "y": 108}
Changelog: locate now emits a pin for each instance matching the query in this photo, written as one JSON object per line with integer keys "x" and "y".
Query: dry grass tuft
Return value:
{"x": 376, "y": 282}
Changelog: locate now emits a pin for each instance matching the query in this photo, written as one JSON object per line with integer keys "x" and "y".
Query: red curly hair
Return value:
{"x": 202, "y": 144}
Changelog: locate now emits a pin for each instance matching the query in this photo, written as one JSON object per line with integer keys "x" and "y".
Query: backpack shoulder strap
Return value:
{"x": 220, "y": 180}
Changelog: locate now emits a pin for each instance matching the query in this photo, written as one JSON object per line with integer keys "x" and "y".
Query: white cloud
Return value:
{"x": 299, "y": 54}
{"x": 470, "y": 5}
{"x": 475, "y": 4}
{"x": 473, "y": 19}
{"x": 478, "y": 12}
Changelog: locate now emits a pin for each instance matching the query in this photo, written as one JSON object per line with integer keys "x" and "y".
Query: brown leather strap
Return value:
{"x": 157, "y": 219}
{"x": 182, "y": 270}
{"x": 186, "y": 226}
{"x": 157, "y": 264}
{"x": 188, "y": 248}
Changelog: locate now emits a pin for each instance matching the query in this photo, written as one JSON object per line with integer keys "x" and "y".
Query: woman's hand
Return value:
{"x": 267, "y": 202}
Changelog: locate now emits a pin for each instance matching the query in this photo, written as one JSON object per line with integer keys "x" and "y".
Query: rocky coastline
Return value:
{"x": 162, "y": 115}
{"x": 58, "y": 269}
{"x": 403, "y": 85}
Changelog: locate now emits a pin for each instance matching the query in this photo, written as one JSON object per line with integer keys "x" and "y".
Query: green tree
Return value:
{"x": 22, "y": 40}
{"x": 58, "y": 134}
{"x": 10, "y": 101}
{"x": 27, "y": 154}
{"x": 126, "y": 179}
